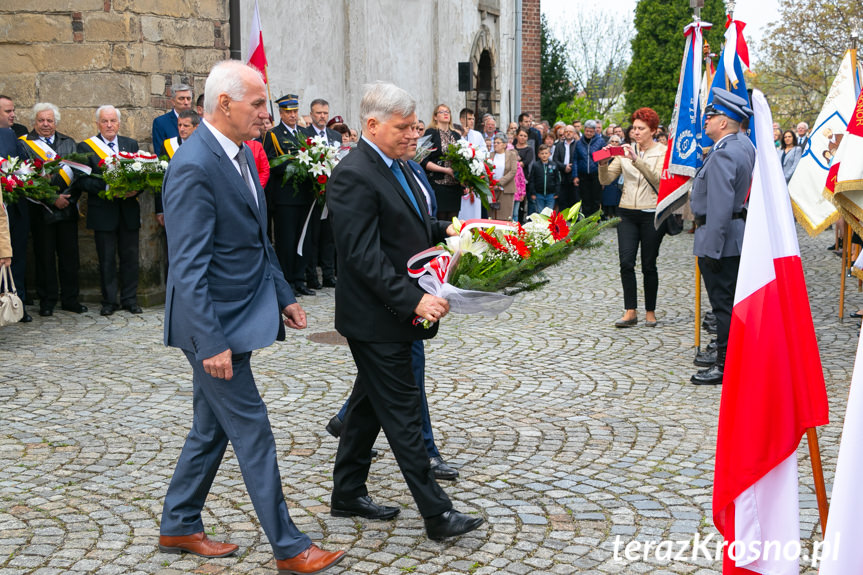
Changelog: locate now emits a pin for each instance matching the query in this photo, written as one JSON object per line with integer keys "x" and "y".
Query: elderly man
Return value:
{"x": 587, "y": 170}
{"x": 115, "y": 222}
{"x": 225, "y": 290}
{"x": 55, "y": 231}
{"x": 187, "y": 123}
{"x": 564, "y": 157}
{"x": 489, "y": 127}
{"x": 165, "y": 126}
{"x": 802, "y": 134}
{"x": 719, "y": 192}
{"x": 380, "y": 219}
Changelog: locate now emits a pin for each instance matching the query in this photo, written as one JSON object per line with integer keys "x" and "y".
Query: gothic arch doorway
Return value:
{"x": 485, "y": 97}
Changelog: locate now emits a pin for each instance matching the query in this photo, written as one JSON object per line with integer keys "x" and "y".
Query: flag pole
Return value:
{"x": 818, "y": 477}
{"x": 696, "y": 6}
{"x": 846, "y": 250}
{"x": 269, "y": 95}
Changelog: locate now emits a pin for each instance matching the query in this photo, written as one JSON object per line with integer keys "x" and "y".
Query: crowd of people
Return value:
{"x": 232, "y": 263}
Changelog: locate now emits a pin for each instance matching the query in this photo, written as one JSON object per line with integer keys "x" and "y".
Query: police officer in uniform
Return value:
{"x": 719, "y": 194}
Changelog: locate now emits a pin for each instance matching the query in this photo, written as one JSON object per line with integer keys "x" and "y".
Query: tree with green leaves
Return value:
{"x": 657, "y": 51}
{"x": 801, "y": 53}
{"x": 554, "y": 76}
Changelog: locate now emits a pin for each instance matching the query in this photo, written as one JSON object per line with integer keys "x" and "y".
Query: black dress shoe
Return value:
{"x": 75, "y": 308}
{"x": 442, "y": 470}
{"x": 334, "y": 427}
{"x": 25, "y": 318}
{"x": 46, "y": 311}
{"x": 107, "y": 309}
{"x": 330, "y": 282}
{"x": 362, "y": 507}
{"x": 710, "y": 376}
{"x": 303, "y": 290}
{"x": 705, "y": 358}
{"x": 450, "y": 523}
{"x": 133, "y": 308}
{"x": 314, "y": 284}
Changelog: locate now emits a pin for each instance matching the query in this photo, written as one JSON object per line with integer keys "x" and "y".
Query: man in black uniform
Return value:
{"x": 719, "y": 193}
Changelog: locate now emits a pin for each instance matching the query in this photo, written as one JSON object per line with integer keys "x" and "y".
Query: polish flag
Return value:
{"x": 841, "y": 554}
{"x": 773, "y": 387}
{"x": 257, "y": 57}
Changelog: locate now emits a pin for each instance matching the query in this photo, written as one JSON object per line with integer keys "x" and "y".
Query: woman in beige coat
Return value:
{"x": 5, "y": 239}
{"x": 505, "y": 163}
{"x": 641, "y": 168}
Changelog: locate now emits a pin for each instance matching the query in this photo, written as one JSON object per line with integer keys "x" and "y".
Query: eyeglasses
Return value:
{"x": 443, "y": 112}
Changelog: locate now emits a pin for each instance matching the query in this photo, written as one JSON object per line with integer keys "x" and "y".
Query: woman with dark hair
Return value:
{"x": 447, "y": 189}
{"x": 789, "y": 154}
{"x": 526, "y": 157}
{"x": 641, "y": 168}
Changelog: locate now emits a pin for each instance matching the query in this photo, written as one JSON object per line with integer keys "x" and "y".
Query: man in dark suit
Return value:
{"x": 564, "y": 157}
{"x": 224, "y": 293}
{"x": 187, "y": 123}
{"x": 17, "y": 214}
{"x": 319, "y": 237}
{"x": 291, "y": 200}
{"x": 587, "y": 170}
{"x": 719, "y": 192}
{"x": 115, "y": 222}
{"x": 380, "y": 220}
{"x": 165, "y": 126}
{"x": 55, "y": 227}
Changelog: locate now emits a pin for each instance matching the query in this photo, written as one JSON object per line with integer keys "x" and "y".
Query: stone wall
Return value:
{"x": 530, "y": 58}
{"x": 81, "y": 54}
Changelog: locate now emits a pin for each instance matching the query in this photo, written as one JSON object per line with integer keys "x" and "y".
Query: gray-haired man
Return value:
{"x": 165, "y": 126}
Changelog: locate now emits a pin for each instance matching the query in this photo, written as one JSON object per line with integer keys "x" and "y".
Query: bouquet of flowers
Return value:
{"x": 489, "y": 261}
{"x": 473, "y": 169}
{"x": 24, "y": 178}
{"x": 128, "y": 174}
{"x": 314, "y": 160}
{"x": 424, "y": 148}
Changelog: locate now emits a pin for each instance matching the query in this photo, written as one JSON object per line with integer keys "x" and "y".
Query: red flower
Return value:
{"x": 308, "y": 141}
{"x": 492, "y": 241}
{"x": 519, "y": 245}
{"x": 38, "y": 163}
{"x": 322, "y": 179}
{"x": 522, "y": 233}
{"x": 557, "y": 226}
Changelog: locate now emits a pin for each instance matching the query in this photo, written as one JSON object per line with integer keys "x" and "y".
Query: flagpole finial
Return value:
{"x": 731, "y": 4}
{"x": 855, "y": 33}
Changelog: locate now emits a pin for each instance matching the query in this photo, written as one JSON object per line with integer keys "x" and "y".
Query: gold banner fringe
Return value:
{"x": 811, "y": 229}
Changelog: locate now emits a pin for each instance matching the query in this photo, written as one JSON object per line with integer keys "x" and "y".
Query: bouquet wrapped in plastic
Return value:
{"x": 24, "y": 178}
{"x": 489, "y": 261}
{"x": 128, "y": 174}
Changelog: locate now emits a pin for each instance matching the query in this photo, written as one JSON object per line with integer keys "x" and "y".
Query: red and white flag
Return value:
{"x": 773, "y": 385}
{"x": 841, "y": 554}
{"x": 257, "y": 58}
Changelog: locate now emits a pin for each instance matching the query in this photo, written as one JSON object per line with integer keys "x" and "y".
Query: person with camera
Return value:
{"x": 641, "y": 165}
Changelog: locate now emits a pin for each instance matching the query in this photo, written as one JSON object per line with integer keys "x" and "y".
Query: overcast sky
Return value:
{"x": 756, "y": 13}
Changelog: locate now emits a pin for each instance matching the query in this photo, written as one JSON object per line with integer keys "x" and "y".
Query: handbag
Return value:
{"x": 11, "y": 308}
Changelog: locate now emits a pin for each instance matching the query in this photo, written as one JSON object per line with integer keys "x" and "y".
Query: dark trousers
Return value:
{"x": 385, "y": 396}
{"x": 230, "y": 411}
{"x": 19, "y": 228}
{"x": 288, "y": 224}
{"x": 720, "y": 290}
{"x": 636, "y": 228}
{"x": 591, "y": 192}
{"x": 568, "y": 195}
{"x": 109, "y": 245}
{"x": 55, "y": 246}
{"x": 319, "y": 244}
{"x": 418, "y": 363}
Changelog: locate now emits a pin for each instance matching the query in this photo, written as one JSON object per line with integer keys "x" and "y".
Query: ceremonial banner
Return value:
{"x": 844, "y": 186}
{"x": 815, "y": 212}
{"x": 841, "y": 554}
{"x": 683, "y": 156}
{"x": 257, "y": 57}
{"x": 773, "y": 386}
{"x": 729, "y": 72}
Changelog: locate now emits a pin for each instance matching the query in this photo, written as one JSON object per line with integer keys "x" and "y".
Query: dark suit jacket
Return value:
{"x": 421, "y": 174}
{"x": 225, "y": 286}
{"x": 164, "y": 127}
{"x": 63, "y": 145}
{"x": 376, "y": 230}
{"x": 285, "y": 195}
{"x": 107, "y": 215}
{"x": 333, "y": 137}
{"x": 558, "y": 156}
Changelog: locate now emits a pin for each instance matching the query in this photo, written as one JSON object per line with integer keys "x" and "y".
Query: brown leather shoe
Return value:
{"x": 197, "y": 544}
{"x": 312, "y": 560}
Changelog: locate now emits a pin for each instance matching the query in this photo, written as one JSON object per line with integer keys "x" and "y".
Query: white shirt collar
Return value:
{"x": 116, "y": 142}
{"x": 227, "y": 144}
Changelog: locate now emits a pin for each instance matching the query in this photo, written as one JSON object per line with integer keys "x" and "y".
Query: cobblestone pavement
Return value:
{"x": 569, "y": 435}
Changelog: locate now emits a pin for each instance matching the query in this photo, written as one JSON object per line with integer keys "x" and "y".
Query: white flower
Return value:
{"x": 163, "y": 164}
{"x": 547, "y": 212}
{"x": 317, "y": 169}
{"x": 304, "y": 157}
{"x": 464, "y": 243}
{"x": 136, "y": 166}
{"x": 476, "y": 168}
{"x": 319, "y": 141}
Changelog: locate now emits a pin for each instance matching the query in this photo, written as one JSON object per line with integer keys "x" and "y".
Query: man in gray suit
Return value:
{"x": 719, "y": 193}
{"x": 225, "y": 290}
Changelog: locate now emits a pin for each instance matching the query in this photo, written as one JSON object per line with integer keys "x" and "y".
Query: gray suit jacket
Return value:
{"x": 720, "y": 190}
{"x": 225, "y": 286}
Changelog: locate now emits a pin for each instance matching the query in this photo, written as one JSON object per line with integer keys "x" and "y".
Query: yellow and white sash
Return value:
{"x": 46, "y": 154}
{"x": 100, "y": 147}
{"x": 171, "y": 145}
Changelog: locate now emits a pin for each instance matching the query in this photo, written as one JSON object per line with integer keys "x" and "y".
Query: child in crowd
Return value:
{"x": 543, "y": 183}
